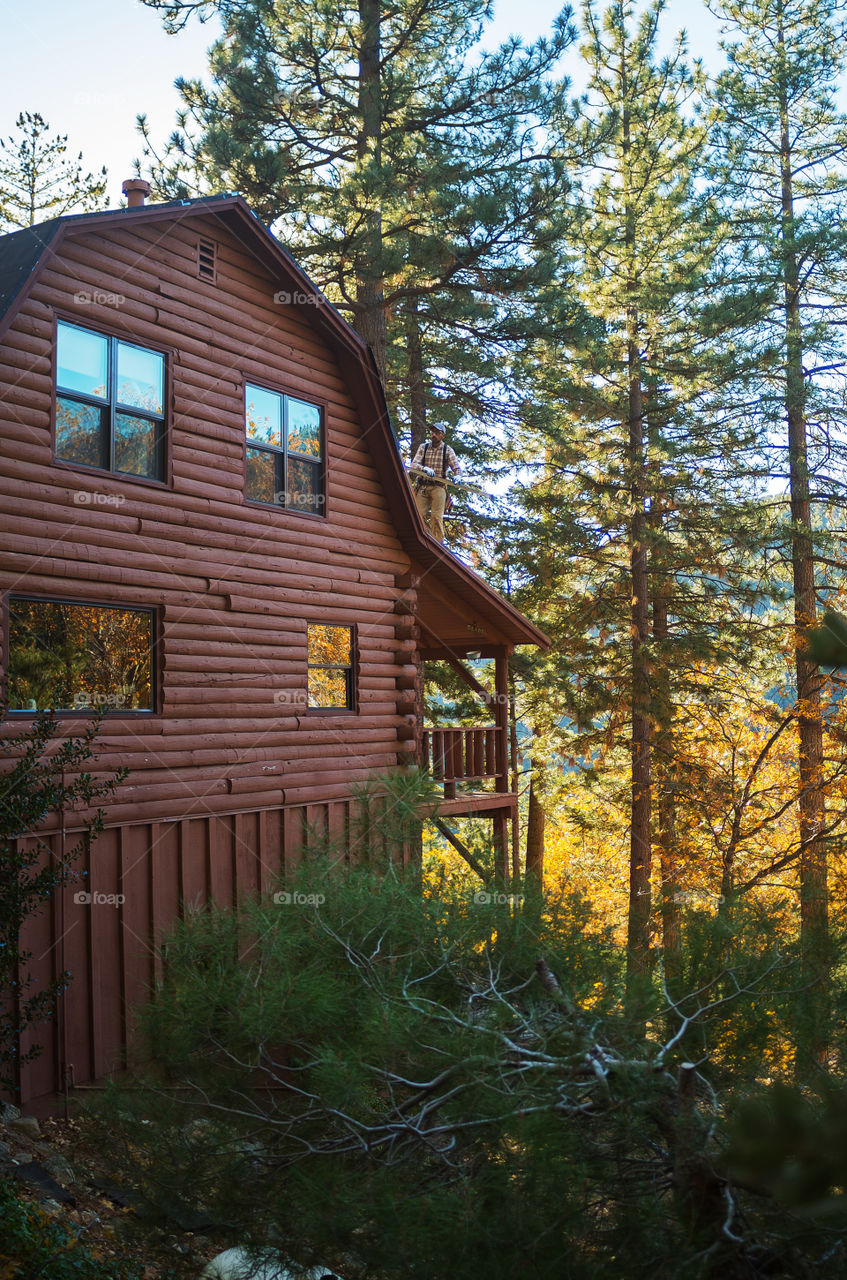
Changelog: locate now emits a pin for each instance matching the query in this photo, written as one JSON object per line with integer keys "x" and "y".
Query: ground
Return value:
{"x": 83, "y": 1196}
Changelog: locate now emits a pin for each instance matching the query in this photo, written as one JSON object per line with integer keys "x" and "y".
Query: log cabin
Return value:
{"x": 207, "y": 530}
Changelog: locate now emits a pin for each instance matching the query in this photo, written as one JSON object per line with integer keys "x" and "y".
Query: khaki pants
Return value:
{"x": 431, "y": 499}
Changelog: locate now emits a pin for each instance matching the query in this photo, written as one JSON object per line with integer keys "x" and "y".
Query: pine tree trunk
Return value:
{"x": 514, "y": 778}
{"x": 415, "y": 374}
{"x": 535, "y": 832}
{"x": 665, "y": 776}
{"x": 813, "y": 863}
{"x": 369, "y": 319}
{"x": 638, "y": 932}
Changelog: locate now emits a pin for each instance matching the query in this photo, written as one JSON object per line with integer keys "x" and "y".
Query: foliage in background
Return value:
{"x": 39, "y": 181}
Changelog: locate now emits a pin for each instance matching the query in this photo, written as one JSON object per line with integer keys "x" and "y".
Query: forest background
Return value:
{"x": 623, "y": 293}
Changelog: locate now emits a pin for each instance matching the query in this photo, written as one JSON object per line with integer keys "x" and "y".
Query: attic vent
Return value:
{"x": 206, "y": 265}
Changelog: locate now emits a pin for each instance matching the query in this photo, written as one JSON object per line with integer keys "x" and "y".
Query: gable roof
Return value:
{"x": 24, "y": 254}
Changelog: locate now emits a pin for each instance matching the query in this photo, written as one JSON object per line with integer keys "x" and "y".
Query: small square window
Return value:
{"x": 330, "y": 661}
{"x": 98, "y": 379}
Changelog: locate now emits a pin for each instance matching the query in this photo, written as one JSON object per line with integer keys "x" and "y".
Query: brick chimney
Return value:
{"x": 136, "y": 191}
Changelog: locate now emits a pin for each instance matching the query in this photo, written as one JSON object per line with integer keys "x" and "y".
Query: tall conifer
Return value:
{"x": 401, "y": 163}
{"x": 783, "y": 144}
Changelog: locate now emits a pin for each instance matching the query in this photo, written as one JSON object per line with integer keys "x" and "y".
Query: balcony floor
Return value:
{"x": 477, "y": 802}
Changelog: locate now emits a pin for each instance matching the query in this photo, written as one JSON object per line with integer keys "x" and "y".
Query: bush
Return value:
{"x": 426, "y": 1086}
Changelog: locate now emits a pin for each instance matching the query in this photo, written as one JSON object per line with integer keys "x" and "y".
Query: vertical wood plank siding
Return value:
{"x": 153, "y": 872}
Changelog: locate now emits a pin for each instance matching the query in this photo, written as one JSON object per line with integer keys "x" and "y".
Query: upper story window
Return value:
{"x": 110, "y": 403}
{"x": 65, "y": 656}
{"x": 285, "y": 451}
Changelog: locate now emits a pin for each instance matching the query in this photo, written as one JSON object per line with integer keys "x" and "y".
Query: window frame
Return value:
{"x": 353, "y": 670}
{"x": 164, "y": 435}
{"x": 86, "y": 713}
{"x": 282, "y": 451}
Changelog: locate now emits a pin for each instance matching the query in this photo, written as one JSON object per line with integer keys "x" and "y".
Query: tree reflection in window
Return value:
{"x": 72, "y": 657}
{"x": 330, "y": 667}
{"x": 284, "y": 450}
{"x": 110, "y": 408}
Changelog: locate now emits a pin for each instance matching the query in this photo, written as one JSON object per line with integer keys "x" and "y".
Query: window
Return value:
{"x": 110, "y": 403}
{"x": 79, "y": 657}
{"x": 284, "y": 451}
{"x": 330, "y": 667}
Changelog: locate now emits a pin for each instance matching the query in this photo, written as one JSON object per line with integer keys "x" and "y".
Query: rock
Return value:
{"x": 8, "y": 1112}
{"x": 35, "y": 1176}
{"x": 27, "y": 1125}
{"x": 59, "y": 1168}
{"x": 240, "y": 1264}
{"x": 5, "y": 1151}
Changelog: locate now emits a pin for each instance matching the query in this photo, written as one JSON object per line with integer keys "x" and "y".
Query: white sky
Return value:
{"x": 91, "y": 66}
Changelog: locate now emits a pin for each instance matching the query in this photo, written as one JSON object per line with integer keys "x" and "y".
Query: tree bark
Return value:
{"x": 535, "y": 832}
{"x": 665, "y": 774}
{"x": 415, "y": 375}
{"x": 369, "y": 319}
{"x": 813, "y": 862}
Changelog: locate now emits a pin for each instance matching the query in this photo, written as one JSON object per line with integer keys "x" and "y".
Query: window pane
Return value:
{"x": 261, "y": 475}
{"x": 82, "y": 361}
{"x": 79, "y": 433}
{"x": 304, "y": 427}
{"x": 304, "y": 480}
{"x": 328, "y": 688}
{"x": 73, "y": 657}
{"x": 264, "y": 416}
{"x": 330, "y": 645}
{"x": 136, "y": 449}
{"x": 141, "y": 378}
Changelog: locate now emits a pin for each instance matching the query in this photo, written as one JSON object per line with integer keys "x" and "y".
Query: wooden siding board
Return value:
{"x": 138, "y": 967}
{"x": 104, "y": 931}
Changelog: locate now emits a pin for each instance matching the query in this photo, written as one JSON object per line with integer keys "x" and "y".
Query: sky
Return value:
{"x": 99, "y": 63}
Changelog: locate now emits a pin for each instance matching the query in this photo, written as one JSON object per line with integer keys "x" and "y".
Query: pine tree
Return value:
{"x": 640, "y": 550}
{"x": 38, "y": 180}
{"x": 783, "y": 143}
{"x": 399, "y": 162}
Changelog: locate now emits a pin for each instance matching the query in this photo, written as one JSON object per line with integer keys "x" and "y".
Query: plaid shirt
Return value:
{"x": 440, "y": 457}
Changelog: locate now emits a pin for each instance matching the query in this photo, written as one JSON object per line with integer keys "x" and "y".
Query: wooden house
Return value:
{"x": 207, "y": 530}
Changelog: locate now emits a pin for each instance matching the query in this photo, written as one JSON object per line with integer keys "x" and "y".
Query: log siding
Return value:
{"x": 232, "y": 772}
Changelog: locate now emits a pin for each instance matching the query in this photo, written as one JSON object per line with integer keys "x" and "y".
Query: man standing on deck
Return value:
{"x": 430, "y": 491}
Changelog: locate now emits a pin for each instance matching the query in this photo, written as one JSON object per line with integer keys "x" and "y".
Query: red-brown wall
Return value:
{"x": 235, "y": 585}
{"x": 225, "y": 775}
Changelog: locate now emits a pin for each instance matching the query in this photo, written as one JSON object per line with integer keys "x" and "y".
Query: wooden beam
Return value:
{"x": 469, "y": 678}
{"x": 463, "y": 851}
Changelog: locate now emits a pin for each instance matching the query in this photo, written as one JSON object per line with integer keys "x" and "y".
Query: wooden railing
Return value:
{"x": 461, "y": 755}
